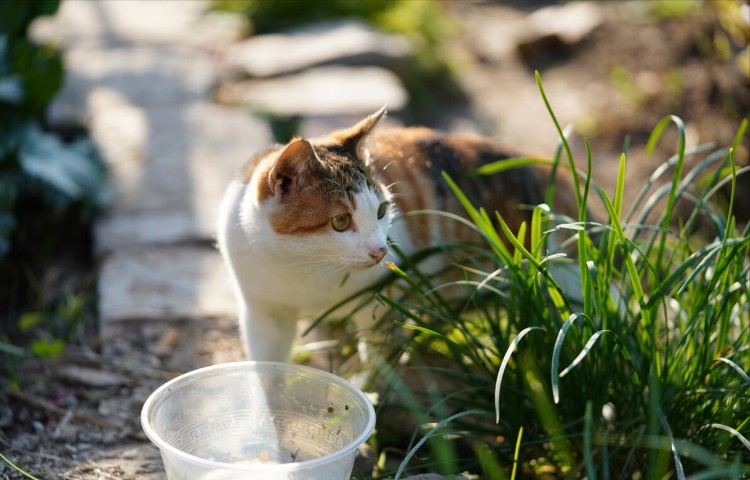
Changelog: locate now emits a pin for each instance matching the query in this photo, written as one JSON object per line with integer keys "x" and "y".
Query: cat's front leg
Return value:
{"x": 268, "y": 332}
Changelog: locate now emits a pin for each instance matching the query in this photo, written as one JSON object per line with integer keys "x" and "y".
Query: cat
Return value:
{"x": 308, "y": 224}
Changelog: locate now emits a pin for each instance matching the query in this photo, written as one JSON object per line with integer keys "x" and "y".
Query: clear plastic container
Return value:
{"x": 258, "y": 420}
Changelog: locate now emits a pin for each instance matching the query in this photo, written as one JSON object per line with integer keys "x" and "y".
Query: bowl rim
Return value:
{"x": 164, "y": 447}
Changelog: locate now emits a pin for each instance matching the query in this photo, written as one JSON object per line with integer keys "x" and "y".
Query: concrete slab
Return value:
{"x": 348, "y": 42}
{"x": 332, "y": 90}
{"x": 172, "y": 283}
{"x": 142, "y": 76}
{"x": 170, "y": 172}
{"x": 121, "y": 22}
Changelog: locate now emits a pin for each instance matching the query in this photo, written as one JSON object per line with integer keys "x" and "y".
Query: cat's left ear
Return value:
{"x": 353, "y": 138}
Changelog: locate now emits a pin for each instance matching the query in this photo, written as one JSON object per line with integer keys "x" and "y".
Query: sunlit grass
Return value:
{"x": 629, "y": 356}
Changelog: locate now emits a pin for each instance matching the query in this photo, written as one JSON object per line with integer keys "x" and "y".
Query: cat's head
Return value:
{"x": 323, "y": 202}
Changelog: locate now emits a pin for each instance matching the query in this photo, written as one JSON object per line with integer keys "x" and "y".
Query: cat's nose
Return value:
{"x": 377, "y": 254}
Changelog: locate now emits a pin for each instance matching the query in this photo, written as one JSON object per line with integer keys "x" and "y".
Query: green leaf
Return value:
{"x": 11, "y": 349}
{"x": 41, "y": 71}
{"x": 73, "y": 175}
{"x": 29, "y": 321}
{"x": 48, "y": 349}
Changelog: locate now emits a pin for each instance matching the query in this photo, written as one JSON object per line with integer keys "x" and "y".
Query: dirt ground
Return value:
{"x": 77, "y": 416}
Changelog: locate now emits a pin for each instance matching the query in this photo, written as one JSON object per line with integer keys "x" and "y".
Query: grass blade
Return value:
{"x": 733, "y": 432}
{"x": 509, "y": 164}
{"x": 679, "y": 470}
{"x": 429, "y": 435}
{"x": 588, "y": 454}
{"x": 629, "y": 264}
{"x": 515, "y": 454}
{"x": 563, "y": 138}
{"x": 556, "y": 353}
{"x": 16, "y": 468}
{"x": 484, "y": 224}
{"x": 586, "y": 349}
{"x": 620, "y": 185}
{"x": 504, "y": 365}
{"x": 736, "y": 367}
{"x": 442, "y": 337}
{"x": 492, "y": 469}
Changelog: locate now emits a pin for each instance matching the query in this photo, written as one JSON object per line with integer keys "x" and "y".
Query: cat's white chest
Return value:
{"x": 287, "y": 282}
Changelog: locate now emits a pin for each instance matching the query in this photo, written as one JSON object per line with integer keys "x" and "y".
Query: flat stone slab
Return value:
{"x": 332, "y": 90}
{"x": 129, "y": 229}
{"x": 172, "y": 283}
{"x": 344, "y": 42}
{"x": 120, "y": 22}
{"x": 169, "y": 168}
{"x": 141, "y": 76}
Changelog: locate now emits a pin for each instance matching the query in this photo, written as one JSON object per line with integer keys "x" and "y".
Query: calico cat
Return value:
{"x": 307, "y": 224}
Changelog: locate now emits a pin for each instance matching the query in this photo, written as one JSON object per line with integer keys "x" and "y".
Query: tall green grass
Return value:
{"x": 627, "y": 357}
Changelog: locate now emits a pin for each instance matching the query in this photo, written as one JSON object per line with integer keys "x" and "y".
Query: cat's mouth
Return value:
{"x": 366, "y": 264}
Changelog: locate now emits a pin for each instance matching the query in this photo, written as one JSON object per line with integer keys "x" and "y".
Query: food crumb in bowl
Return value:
{"x": 263, "y": 456}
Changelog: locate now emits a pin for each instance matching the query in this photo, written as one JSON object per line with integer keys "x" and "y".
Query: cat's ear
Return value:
{"x": 289, "y": 170}
{"x": 353, "y": 138}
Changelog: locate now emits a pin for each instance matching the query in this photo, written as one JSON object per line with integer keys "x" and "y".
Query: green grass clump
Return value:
{"x": 628, "y": 357}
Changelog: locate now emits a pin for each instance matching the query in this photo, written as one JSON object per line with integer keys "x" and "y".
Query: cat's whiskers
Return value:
{"x": 393, "y": 184}
{"x": 397, "y": 195}
{"x": 311, "y": 260}
{"x": 324, "y": 274}
{"x": 386, "y": 166}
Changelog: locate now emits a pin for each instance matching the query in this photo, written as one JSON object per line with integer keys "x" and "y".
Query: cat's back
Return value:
{"x": 412, "y": 161}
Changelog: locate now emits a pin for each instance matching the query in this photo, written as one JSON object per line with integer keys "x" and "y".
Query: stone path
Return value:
{"x": 141, "y": 77}
{"x": 144, "y": 91}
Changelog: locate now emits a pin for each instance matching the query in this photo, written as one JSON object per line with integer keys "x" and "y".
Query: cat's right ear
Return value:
{"x": 289, "y": 170}
{"x": 353, "y": 138}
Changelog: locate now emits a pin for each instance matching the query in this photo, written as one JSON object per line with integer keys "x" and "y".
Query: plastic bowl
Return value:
{"x": 258, "y": 420}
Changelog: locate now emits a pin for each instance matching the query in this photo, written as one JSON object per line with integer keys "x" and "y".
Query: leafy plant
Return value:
{"x": 36, "y": 167}
{"x": 51, "y": 188}
{"x": 630, "y": 358}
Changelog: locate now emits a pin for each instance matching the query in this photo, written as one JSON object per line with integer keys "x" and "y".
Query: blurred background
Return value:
{"x": 121, "y": 122}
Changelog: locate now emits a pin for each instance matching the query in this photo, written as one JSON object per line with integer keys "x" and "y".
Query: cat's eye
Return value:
{"x": 382, "y": 209}
{"x": 341, "y": 222}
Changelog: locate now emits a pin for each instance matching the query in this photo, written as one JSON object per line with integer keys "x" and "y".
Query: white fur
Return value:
{"x": 279, "y": 279}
